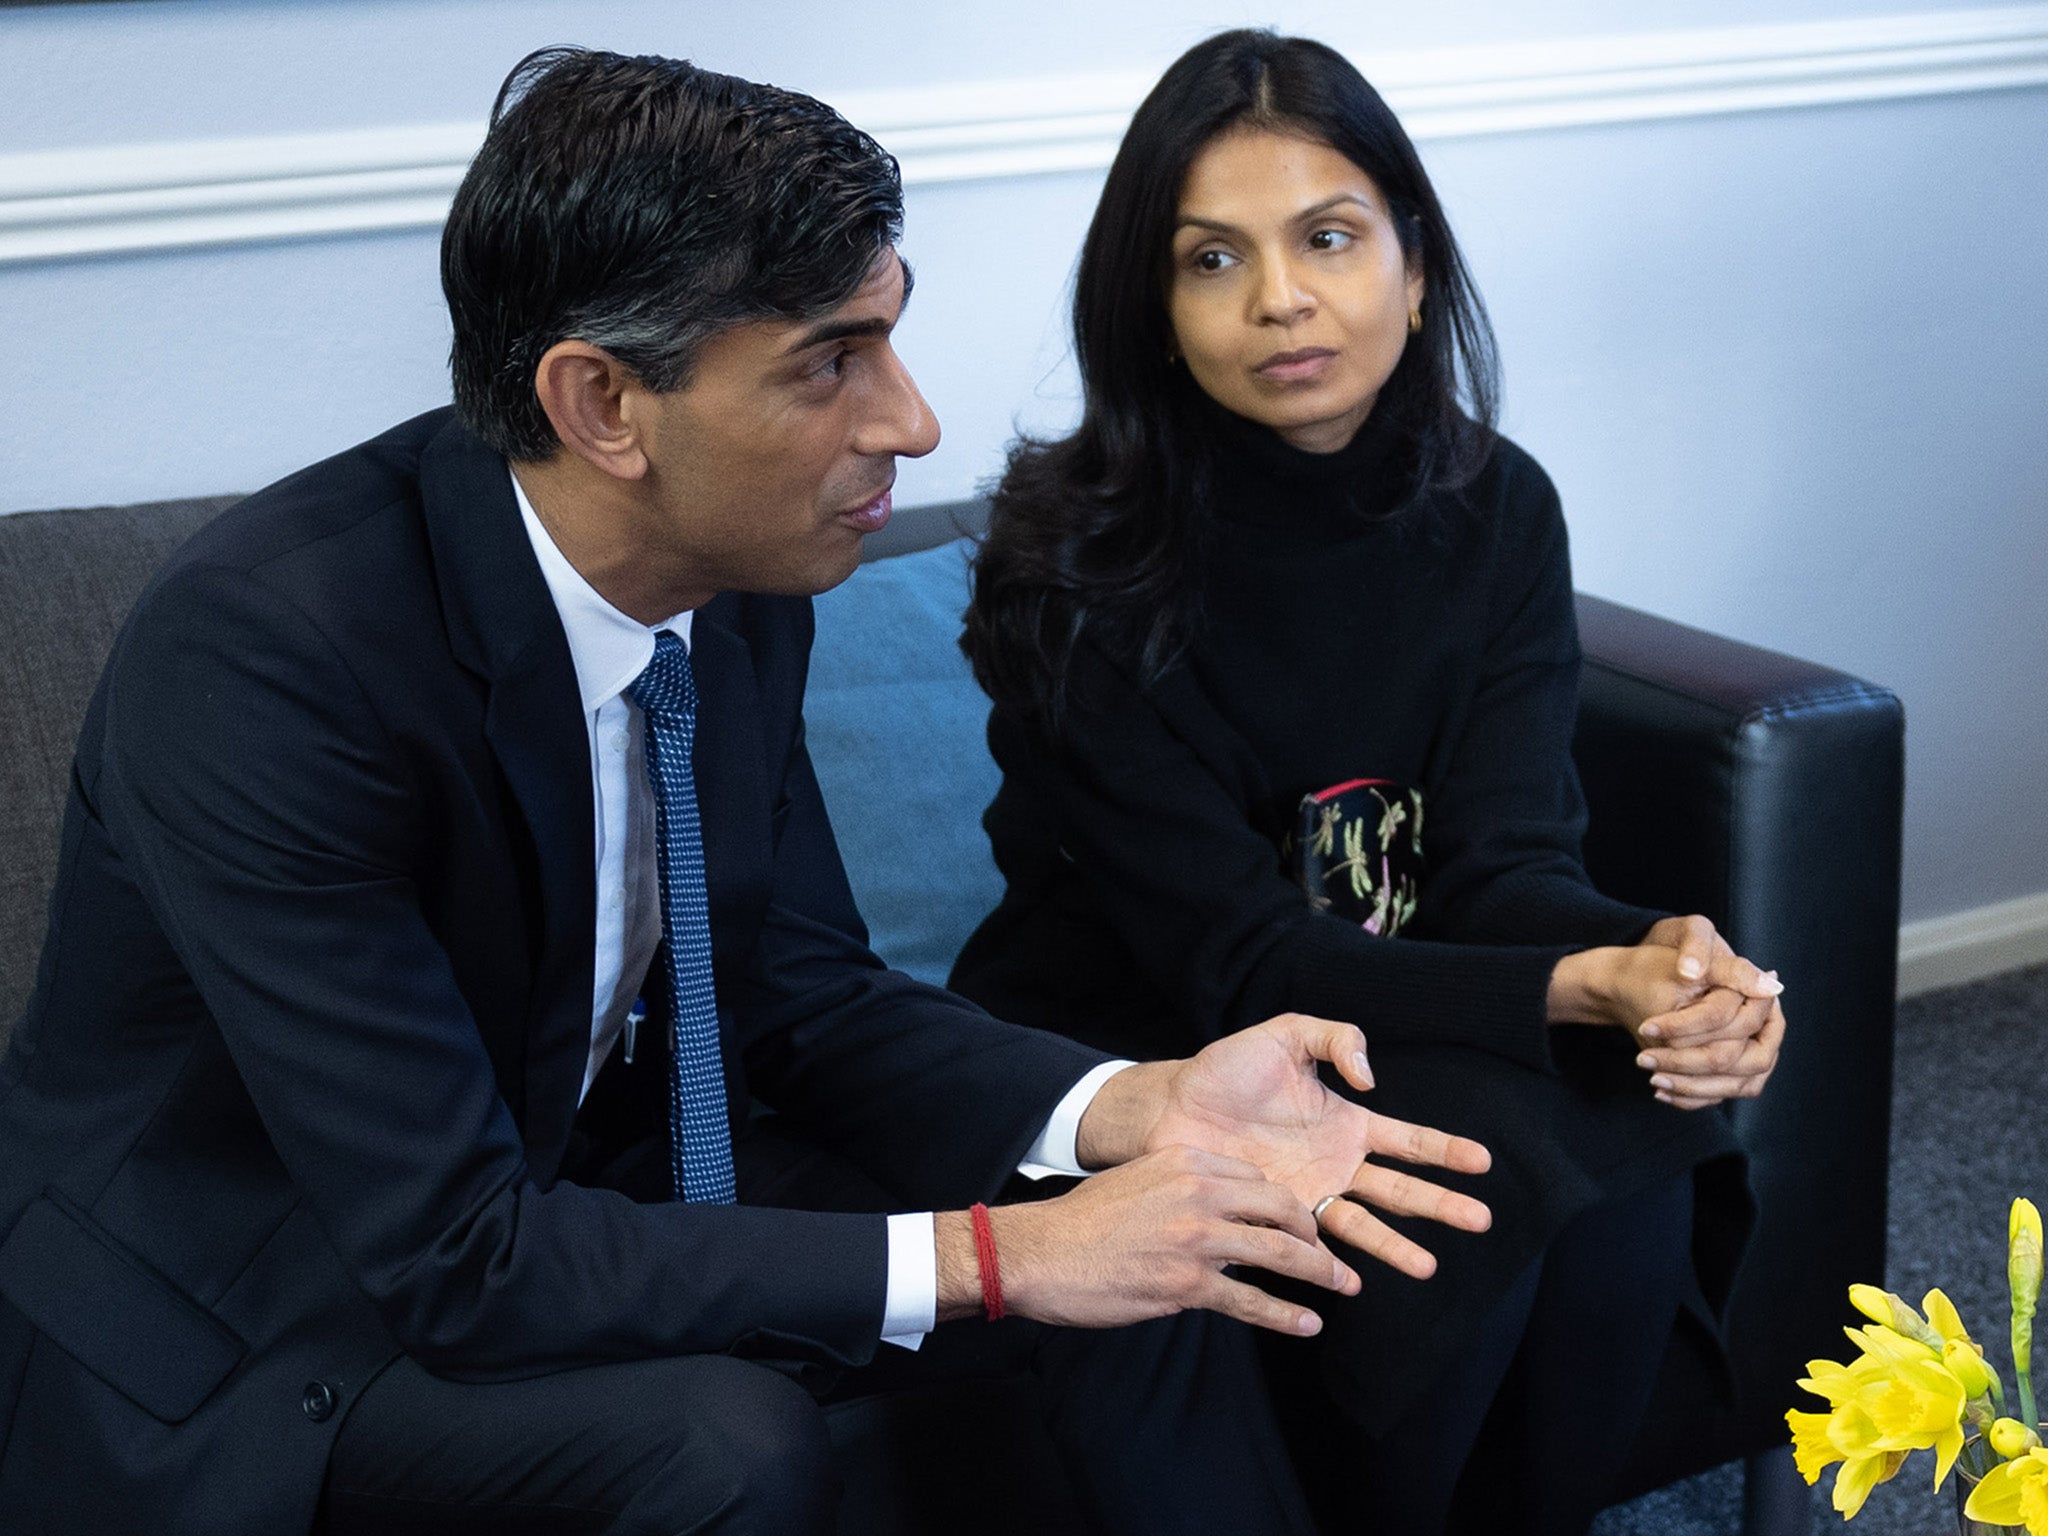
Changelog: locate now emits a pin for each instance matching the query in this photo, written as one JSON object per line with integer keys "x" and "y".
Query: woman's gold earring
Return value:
{"x": 1414, "y": 322}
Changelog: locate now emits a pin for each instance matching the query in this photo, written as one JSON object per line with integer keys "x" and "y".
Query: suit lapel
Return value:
{"x": 732, "y": 777}
{"x": 503, "y": 625}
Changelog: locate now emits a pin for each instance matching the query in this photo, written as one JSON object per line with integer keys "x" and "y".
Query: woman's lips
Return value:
{"x": 870, "y": 518}
{"x": 1295, "y": 367}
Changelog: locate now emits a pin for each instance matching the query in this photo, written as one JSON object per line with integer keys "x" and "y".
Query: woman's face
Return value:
{"x": 1289, "y": 294}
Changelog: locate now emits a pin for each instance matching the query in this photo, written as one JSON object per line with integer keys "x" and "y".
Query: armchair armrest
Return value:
{"x": 1766, "y": 793}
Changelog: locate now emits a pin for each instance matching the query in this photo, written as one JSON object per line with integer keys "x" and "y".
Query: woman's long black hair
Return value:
{"x": 1095, "y": 533}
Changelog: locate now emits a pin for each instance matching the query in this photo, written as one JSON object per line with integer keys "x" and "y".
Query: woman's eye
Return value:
{"x": 1212, "y": 260}
{"x": 1330, "y": 239}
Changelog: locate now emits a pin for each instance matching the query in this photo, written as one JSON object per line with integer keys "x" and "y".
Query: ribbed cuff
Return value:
{"x": 1493, "y": 997}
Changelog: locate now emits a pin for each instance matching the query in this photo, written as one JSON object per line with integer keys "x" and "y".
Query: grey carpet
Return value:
{"x": 1967, "y": 1136}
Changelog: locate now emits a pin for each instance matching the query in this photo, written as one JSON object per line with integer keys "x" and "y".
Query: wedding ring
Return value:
{"x": 1323, "y": 1205}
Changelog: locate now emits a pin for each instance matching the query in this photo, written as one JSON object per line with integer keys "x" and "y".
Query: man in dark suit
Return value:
{"x": 456, "y": 1093}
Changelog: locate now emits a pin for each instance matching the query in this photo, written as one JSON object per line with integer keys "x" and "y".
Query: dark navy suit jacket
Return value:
{"x": 303, "y": 1055}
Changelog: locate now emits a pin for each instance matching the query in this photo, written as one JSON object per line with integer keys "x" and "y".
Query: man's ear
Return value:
{"x": 583, "y": 390}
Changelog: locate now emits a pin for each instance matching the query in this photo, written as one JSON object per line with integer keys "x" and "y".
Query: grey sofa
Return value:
{"x": 1758, "y": 789}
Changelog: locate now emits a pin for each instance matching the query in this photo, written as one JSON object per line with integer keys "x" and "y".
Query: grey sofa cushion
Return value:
{"x": 67, "y": 580}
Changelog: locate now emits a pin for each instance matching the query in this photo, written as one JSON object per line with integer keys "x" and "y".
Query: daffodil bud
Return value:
{"x": 2009, "y": 1437}
{"x": 1967, "y": 1366}
{"x": 2023, "y": 1270}
{"x": 1893, "y": 1312}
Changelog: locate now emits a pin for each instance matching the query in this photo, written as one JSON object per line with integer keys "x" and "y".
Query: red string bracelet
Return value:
{"x": 985, "y": 1256}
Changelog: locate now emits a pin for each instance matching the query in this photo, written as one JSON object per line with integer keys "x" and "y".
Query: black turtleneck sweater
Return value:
{"x": 1347, "y": 630}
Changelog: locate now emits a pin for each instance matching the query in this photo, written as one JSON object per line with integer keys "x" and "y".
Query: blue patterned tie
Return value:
{"x": 699, "y": 1136}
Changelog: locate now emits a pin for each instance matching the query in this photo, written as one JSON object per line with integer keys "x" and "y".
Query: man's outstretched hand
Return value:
{"x": 1215, "y": 1163}
{"x": 1254, "y": 1097}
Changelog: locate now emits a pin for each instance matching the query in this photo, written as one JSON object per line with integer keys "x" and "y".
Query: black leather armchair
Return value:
{"x": 1766, "y": 793}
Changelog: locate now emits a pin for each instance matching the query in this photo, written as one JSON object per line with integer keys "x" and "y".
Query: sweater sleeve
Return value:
{"x": 1198, "y": 896}
{"x": 1506, "y": 816}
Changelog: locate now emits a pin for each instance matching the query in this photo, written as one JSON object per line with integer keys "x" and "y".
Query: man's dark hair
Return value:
{"x": 643, "y": 205}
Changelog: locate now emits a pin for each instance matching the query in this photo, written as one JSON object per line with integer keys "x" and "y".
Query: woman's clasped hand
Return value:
{"x": 1707, "y": 1021}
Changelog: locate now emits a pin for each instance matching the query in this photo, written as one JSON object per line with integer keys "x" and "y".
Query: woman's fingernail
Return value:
{"x": 1308, "y": 1322}
{"x": 1364, "y": 1071}
{"x": 1772, "y": 985}
{"x": 1653, "y": 1032}
{"x": 1647, "y": 1062}
{"x": 1663, "y": 1084}
{"x": 1662, "y": 1097}
{"x": 1690, "y": 968}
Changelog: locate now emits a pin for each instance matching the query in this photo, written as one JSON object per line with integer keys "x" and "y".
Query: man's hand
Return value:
{"x": 1141, "y": 1241}
{"x": 1254, "y": 1096}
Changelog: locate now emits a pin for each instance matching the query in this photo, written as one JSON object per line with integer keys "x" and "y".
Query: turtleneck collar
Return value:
{"x": 1265, "y": 482}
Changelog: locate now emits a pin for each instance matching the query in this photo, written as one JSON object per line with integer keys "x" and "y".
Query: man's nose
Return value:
{"x": 901, "y": 423}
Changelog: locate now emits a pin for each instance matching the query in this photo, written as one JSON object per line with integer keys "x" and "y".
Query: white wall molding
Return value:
{"x": 1968, "y": 946}
{"x": 58, "y": 204}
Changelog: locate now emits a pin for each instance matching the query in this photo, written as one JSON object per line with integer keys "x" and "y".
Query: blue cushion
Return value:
{"x": 897, "y": 729}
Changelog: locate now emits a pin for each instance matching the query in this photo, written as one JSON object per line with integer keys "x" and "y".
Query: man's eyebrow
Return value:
{"x": 1196, "y": 221}
{"x": 839, "y": 330}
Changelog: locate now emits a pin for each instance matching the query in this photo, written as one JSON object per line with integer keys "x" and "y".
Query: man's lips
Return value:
{"x": 1292, "y": 367}
{"x": 870, "y": 517}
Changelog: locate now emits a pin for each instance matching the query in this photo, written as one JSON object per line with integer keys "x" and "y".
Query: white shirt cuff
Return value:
{"x": 910, "y": 1304}
{"x": 1054, "y": 1152}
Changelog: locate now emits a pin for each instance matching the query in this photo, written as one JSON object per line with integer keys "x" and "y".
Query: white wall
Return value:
{"x": 1789, "y": 366}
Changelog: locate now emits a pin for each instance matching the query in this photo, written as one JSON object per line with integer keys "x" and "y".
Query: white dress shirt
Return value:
{"x": 610, "y": 649}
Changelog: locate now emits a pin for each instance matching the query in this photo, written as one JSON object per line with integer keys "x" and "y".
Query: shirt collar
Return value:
{"x": 610, "y": 648}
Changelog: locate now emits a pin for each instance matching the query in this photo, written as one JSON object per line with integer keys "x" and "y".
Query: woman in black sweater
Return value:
{"x": 1282, "y": 649}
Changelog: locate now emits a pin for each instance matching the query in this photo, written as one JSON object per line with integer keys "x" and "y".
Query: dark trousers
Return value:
{"x": 1530, "y": 1428}
{"x": 1162, "y": 1427}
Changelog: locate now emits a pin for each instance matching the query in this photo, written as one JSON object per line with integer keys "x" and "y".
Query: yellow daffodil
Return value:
{"x": 1895, "y": 1397}
{"x": 1819, "y": 1440}
{"x": 2009, "y": 1437}
{"x": 2014, "y": 1493}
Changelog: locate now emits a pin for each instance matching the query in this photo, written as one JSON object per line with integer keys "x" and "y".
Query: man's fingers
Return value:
{"x": 1403, "y": 1194}
{"x": 1269, "y": 1205}
{"x": 1249, "y": 1304}
{"x": 1350, "y": 1222}
{"x": 1342, "y": 1045}
{"x": 1425, "y": 1145}
{"x": 1283, "y": 1255}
